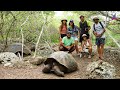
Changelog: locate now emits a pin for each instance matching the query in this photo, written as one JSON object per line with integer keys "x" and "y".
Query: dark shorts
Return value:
{"x": 80, "y": 40}
{"x": 62, "y": 48}
{"x": 63, "y": 35}
{"x": 100, "y": 41}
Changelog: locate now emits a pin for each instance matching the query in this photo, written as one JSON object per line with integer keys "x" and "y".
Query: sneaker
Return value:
{"x": 80, "y": 55}
{"x": 89, "y": 56}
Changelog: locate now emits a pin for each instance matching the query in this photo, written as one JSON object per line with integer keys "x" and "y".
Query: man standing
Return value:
{"x": 85, "y": 27}
{"x": 68, "y": 43}
{"x": 98, "y": 31}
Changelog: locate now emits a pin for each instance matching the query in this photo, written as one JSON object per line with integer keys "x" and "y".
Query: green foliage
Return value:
{"x": 10, "y": 25}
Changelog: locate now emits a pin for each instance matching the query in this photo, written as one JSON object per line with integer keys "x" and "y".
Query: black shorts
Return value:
{"x": 100, "y": 41}
{"x": 63, "y": 35}
{"x": 80, "y": 40}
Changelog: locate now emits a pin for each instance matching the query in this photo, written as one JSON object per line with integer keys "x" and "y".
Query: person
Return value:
{"x": 63, "y": 29}
{"x": 68, "y": 43}
{"x": 85, "y": 27}
{"x": 99, "y": 32}
{"x": 86, "y": 45}
{"x": 74, "y": 33}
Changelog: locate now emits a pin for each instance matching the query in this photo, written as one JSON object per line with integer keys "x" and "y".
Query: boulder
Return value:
{"x": 8, "y": 58}
{"x": 100, "y": 70}
{"x": 17, "y": 48}
{"x": 37, "y": 60}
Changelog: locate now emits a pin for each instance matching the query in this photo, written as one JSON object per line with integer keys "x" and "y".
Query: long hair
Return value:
{"x": 61, "y": 26}
{"x": 72, "y": 25}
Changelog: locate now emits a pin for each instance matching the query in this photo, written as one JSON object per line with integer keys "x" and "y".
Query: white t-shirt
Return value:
{"x": 99, "y": 29}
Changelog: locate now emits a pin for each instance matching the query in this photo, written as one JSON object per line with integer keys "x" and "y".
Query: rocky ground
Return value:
{"x": 35, "y": 72}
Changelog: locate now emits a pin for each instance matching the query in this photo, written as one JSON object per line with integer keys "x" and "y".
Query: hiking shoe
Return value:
{"x": 80, "y": 55}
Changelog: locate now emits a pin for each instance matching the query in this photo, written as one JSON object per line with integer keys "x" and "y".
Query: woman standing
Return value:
{"x": 74, "y": 33}
{"x": 63, "y": 29}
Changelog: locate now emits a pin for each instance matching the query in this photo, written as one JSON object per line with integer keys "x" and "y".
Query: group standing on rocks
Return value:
{"x": 71, "y": 36}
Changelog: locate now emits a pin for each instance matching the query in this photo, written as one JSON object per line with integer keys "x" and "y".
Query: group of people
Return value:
{"x": 72, "y": 35}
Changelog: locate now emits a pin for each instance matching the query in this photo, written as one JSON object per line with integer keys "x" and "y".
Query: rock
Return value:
{"x": 8, "y": 64}
{"x": 22, "y": 64}
{"x": 17, "y": 47}
{"x": 100, "y": 70}
{"x": 8, "y": 57}
{"x": 112, "y": 54}
{"x": 37, "y": 60}
{"x": 32, "y": 48}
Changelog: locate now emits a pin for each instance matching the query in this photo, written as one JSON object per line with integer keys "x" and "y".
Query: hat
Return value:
{"x": 71, "y": 21}
{"x": 69, "y": 32}
{"x": 63, "y": 20}
{"x": 84, "y": 35}
{"x": 95, "y": 18}
{"x": 81, "y": 16}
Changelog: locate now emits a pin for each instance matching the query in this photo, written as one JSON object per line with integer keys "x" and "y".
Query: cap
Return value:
{"x": 69, "y": 32}
{"x": 71, "y": 21}
{"x": 95, "y": 18}
{"x": 84, "y": 35}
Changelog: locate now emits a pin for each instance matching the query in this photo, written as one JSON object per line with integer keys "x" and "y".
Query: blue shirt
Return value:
{"x": 74, "y": 31}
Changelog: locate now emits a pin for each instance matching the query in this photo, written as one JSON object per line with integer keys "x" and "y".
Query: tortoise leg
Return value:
{"x": 57, "y": 71}
{"x": 47, "y": 68}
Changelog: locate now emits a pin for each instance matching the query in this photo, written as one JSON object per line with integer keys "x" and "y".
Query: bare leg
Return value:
{"x": 99, "y": 51}
{"x": 90, "y": 50}
{"x": 76, "y": 46}
{"x": 102, "y": 50}
{"x": 72, "y": 49}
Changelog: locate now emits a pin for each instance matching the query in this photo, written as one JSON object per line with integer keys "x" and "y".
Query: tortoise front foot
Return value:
{"x": 57, "y": 71}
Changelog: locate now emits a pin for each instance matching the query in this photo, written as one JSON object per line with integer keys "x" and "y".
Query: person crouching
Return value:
{"x": 86, "y": 45}
{"x": 68, "y": 43}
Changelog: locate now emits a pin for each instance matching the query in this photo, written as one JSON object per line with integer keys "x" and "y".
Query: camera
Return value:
{"x": 86, "y": 29}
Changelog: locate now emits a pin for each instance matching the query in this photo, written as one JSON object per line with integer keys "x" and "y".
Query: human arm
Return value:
{"x": 88, "y": 27}
{"x": 90, "y": 43}
{"x": 78, "y": 31}
{"x": 82, "y": 46}
{"x": 60, "y": 30}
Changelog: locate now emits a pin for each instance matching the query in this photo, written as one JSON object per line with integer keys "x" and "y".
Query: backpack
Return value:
{"x": 100, "y": 24}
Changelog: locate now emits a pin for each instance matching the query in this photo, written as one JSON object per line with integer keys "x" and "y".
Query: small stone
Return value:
{"x": 8, "y": 64}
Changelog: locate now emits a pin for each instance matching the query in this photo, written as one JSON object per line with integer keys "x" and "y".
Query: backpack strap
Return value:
{"x": 101, "y": 25}
{"x": 94, "y": 27}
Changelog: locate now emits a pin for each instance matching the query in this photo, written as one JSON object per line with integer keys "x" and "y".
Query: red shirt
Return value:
{"x": 63, "y": 29}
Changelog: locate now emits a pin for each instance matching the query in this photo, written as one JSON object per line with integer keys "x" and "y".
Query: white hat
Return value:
{"x": 95, "y": 18}
{"x": 84, "y": 35}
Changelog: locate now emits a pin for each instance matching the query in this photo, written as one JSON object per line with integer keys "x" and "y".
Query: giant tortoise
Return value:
{"x": 60, "y": 62}
{"x": 17, "y": 48}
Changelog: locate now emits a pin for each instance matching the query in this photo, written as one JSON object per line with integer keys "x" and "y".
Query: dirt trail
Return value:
{"x": 36, "y": 72}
